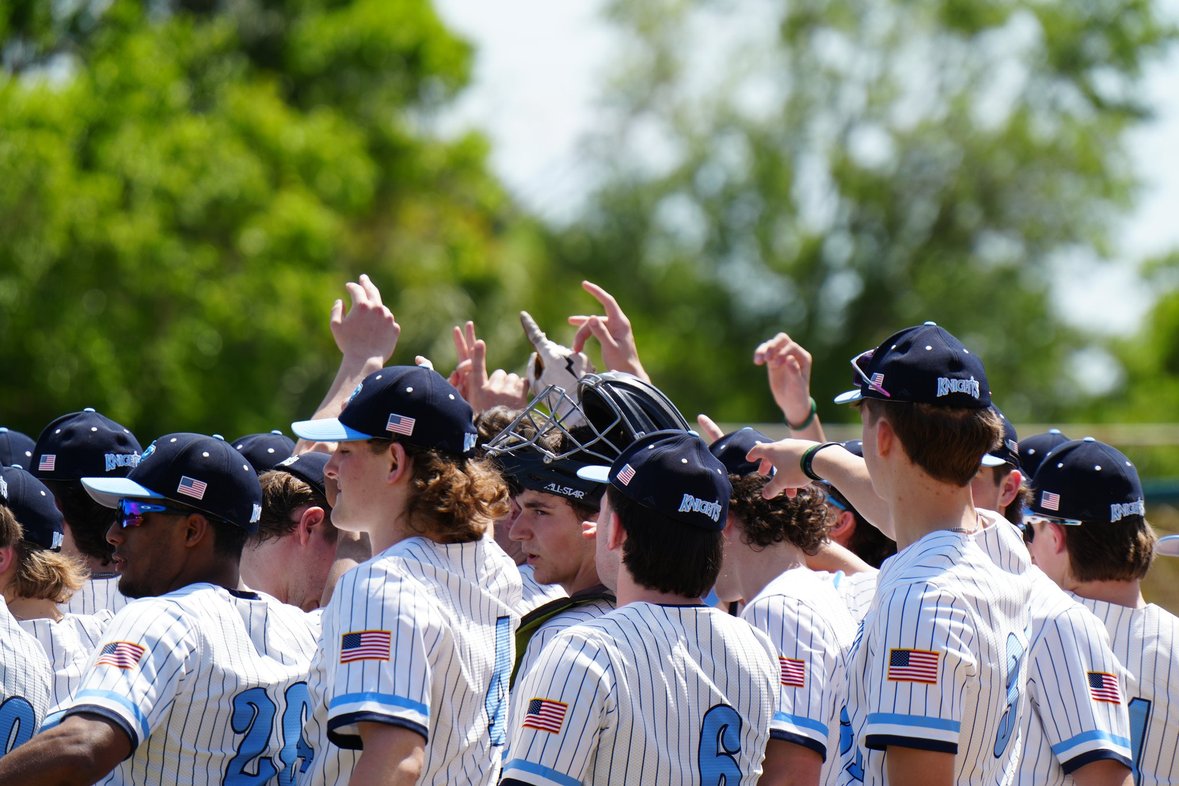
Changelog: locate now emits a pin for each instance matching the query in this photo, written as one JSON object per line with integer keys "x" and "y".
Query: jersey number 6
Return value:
{"x": 720, "y": 739}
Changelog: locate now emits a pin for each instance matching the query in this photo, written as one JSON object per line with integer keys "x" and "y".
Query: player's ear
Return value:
{"x": 1056, "y": 533}
{"x": 843, "y": 525}
{"x": 196, "y": 528}
{"x": 398, "y": 462}
{"x": 589, "y": 528}
{"x": 7, "y": 559}
{"x": 617, "y": 533}
{"x": 1010, "y": 489}
{"x": 313, "y": 516}
{"x": 885, "y": 436}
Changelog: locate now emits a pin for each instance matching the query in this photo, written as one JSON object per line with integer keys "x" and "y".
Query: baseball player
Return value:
{"x": 25, "y": 674}
{"x": 999, "y": 483}
{"x": 74, "y": 446}
{"x": 765, "y": 548}
{"x": 295, "y": 546}
{"x": 197, "y": 682}
{"x": 1087, "y": 530}
{"x": 938, "y": 671}
{"x": 663, "y": 689}
{"x": 36, "y": 577}
{"x": 416, "y": 647}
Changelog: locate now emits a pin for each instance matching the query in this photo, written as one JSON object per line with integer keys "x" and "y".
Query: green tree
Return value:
{"x": 839, "y": 169}
{"x": 185, "y": 186}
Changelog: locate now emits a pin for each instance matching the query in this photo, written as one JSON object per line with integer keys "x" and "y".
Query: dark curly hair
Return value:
{"x": 88, "y": 521}
{"x": 800, "y": 520}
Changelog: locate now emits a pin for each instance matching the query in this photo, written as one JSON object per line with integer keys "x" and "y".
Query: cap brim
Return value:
{"x": 108, "y": 491}
{"x": 993, "y": 461}
{"x": 596, "y": 473}
{"x": 1168, "y": 546}
{"x": 850, "y": 397}
{"x": 327, "y": 430}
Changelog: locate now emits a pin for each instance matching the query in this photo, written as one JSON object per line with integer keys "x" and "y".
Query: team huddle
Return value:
{"x": 555, "y": 579}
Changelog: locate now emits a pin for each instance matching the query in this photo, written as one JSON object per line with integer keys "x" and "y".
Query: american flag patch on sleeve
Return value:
{"x": 912, "y": 666}
{"x": 1104, "y": 687}
{"x": 365, "y": 645}
{"x": 545, "y": 715}
{"x": 120, "y": 654}
{"x": 793, "y": 672}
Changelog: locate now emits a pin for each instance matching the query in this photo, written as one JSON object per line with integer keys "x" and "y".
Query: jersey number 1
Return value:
{"x": 1016, "y": 649}
{"x": 18, "y": 721}
{"x": 495, "y": 700}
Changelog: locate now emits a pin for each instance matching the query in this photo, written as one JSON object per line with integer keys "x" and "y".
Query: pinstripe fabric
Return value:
{"x": 857, "y": 591}
{"x": 1146, "y": 641}
{"x": 533, "y": 594}
{"x": 68, "y": 644}
{"x": 216, "y": 676}
{"x": 941, "y": 594}
{"x": 568, "y": 618}
{"x": 97, "y": 594}
{"x": 441, "y": 604}
{"x": 24, "y": 677}
{"x": 807, "y": 621}
{"x": 640, "y": 684}
{"x": 1065, "y": 727}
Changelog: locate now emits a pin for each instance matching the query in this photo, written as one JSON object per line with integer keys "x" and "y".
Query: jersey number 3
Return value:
{"x": 720, "y": 740}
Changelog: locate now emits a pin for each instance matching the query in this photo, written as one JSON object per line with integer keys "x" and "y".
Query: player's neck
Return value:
{"x": 920, "y": 505}
{"x": 1118, "y": 593}
{"x": 758, "y": 568}
{"x": 629, "y": 591}
{"x": 34, "y": 609}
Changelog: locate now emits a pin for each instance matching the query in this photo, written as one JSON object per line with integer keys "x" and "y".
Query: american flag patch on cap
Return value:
{"x": 545, "y": 715}
{"x": 793, "y": 672}
{"x": 400, "y": 424}
{"x": 1104, "y": 687}
{"x": 120, "y": 654}
{"x": 365, "y": 645}
{"x": 1049, "y": 501}
{"x": 191, "y": 487}
{"x": 47, "y": 462}
{"x": 626, "y": 474}
{"x": 912, "y": 666}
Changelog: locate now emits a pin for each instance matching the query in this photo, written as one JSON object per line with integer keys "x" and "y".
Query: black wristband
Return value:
{"x": 810, "y": 418}
{"x": 808, "y": 458}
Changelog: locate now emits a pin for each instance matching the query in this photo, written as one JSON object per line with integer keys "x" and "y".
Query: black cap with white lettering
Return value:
{"x": 1087, "y": 481}
{"x": 673, "y": 474}
{"x": 82, "y": 445}
{"x": 925, "y": 364}
{"x": 32, "y": 506}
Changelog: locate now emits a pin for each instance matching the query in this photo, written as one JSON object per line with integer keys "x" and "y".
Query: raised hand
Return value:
{"x": 613, "y": 332}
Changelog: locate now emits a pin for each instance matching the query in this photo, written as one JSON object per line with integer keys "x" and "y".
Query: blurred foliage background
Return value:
{"x": 185, "y": 185}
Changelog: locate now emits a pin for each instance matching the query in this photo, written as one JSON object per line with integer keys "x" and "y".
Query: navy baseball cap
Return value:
{"x": 307, "y": 467}
{"x": 1087, "y": 481}
{"x": 529, "y": 468}
{"x": 84, "y": 444}
{"x": 193, "y": 470}
{"x": 1008, "y": 450}
{"x": 925, "y": 364}
{"x": 264, "y": 451}
{"x": 732, "y": 448}
{"x": 411, "y": 404}
{"x": 33, "y": 506}
{"x": 1033, "y": 449}
{"x": 673, "y": 474}
{"x": 16, "y": 448}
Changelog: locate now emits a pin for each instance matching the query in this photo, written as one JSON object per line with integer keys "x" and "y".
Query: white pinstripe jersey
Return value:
{"x": 420, "y": 636}
{"x": 1146, "y": 641}
{"x": 856, "y": 590}
{"x": 533, "y": 594}
{"x": 646, "y": 694}
{"x": 97, "y": 594}
{"x": 812, "y": 632}
{"x": 940, "y": 664}
{"x": 24, "y": 683}
{"x": 1071, "y": 721}
{"x": 68, "y": 644}
{"x": 207, "y": 684}
{"x": 554, "y": 625}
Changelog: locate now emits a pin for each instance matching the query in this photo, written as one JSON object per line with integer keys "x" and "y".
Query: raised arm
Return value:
{"x": 366, "y": 335}
{"x": 482, "y": 390}
{"x": 788, "y": 368}
{"x": 613, "y": 332}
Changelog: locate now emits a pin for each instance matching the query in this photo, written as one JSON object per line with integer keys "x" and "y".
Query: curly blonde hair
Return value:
{"x": 41, "y": 574}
